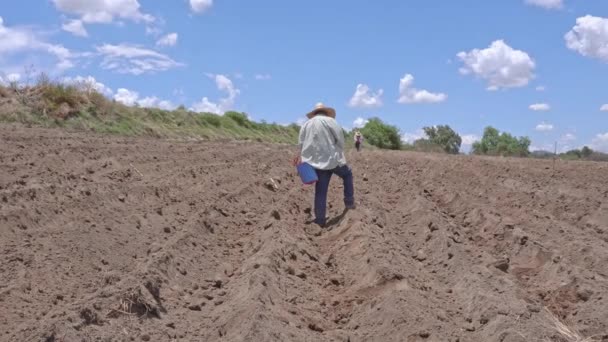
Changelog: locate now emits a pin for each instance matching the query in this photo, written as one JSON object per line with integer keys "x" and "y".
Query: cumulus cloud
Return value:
{"x": 88, "y": 84}
{"x": 103, "y": 11}
{"x": 168, "y": 40}
{"x": 126, "y": 96}
{"x": 604, "y": 108}
{"x": 499, "y": 65}
{"x": 544, "y": 127}
{"x": 200, "y": 6}
{"x": 548, "y": 4}
{"x": 155, "y": 102}
{"x": 540, "y": 107}
{"x": 259, "y": 77}
{"x": 130, "y": 59}
{"x": 223, "y": 105}
{"x": 410, "y": 137}
{"x": 366, "y": 98}
{"x": 360, "y": 122}
{"x": 409, "y": 94}
{"x": 540, "y": 88}
{"x": 10, "y": 78}
{"x": 589, "y": 37}
{"x": 130, "y": 98}
{"x": 15, "y": 40}
{"x": 75, "y": 27}
{"x": 469, "y": 139}
{"x": 600, "y": 142}
{"x": 568, "y": 137}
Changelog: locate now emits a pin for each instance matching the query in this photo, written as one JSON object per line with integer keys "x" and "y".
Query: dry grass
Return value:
{"x": 567, "y": 333}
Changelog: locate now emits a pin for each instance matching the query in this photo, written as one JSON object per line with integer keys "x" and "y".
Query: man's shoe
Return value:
{"x": 351, "y": 206}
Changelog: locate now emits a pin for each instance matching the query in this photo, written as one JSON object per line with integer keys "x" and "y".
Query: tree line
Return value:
{"x": 443, "y": 139}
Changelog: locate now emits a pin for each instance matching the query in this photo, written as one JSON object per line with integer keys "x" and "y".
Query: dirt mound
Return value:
{"x": 118, "y": 239}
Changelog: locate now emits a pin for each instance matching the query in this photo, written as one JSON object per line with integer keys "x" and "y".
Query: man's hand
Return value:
{"x": 297, "y": 160}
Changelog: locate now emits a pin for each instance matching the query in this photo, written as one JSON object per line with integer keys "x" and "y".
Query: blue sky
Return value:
{"x": 530, "y": 67}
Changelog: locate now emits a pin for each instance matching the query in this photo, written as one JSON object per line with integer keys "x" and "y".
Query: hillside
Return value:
{"x": 78, "y": 107}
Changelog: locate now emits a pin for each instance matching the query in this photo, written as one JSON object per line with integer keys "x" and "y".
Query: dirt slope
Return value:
{"x": 105, "y": 238}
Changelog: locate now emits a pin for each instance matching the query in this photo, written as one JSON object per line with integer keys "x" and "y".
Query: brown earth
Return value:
{"x": 107, "y": 238}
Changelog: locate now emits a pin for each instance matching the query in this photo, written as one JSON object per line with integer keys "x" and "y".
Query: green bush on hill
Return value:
{"x": 440, "y": 138}
{"x": 381, "y": 135}
{"x": 496, "y": 144}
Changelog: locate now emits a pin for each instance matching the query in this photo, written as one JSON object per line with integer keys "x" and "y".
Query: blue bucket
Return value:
{"x": 307, "y": 173}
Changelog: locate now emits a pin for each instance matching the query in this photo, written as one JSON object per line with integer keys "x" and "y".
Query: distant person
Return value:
{"x": 321, "y": 145}
{"x": 358, "y": 140}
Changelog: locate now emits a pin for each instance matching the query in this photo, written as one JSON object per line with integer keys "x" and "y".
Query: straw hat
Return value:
{"x": 320, "y": 107}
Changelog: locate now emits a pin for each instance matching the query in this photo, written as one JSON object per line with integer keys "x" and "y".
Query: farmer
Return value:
{"x": 322, "y": 146}
{"x": 358, "y": 140}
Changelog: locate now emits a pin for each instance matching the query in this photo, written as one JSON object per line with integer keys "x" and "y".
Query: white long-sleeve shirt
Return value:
{"x": 322, "y": 143}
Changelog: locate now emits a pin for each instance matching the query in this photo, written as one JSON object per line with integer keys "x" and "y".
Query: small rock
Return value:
{"x": 502, "y": 265}
{"x": 335, "y": 280}
{"x": 276, "y": 215}
{"x": 145, "y": 337}
{"x": 314, "y": 327}
{"x": 195, "y": 307}
{"x": 365, "y": 179}
{"x": 584, "y": 294}
{"x": 424, "y": 334}
{"x": 420, "y": 256}
{"x": 533, "y": 308}
{"x": 122, "y": 198}
{"x": 167, "y": 230}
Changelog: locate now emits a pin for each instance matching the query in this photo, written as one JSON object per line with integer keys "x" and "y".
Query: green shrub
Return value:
{"x": 381, "y": 135}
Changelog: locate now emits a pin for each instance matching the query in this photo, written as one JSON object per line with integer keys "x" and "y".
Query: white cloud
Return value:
{"x": 130, "y": 98}
{"x": 126, "y": 96}
{"x": 544, "y": 127}
{"x": 155, "y": 102}
{"x": 18, "y": 40}
{"x": 200, "y": 6}
{"x": 360, "y": 122}
{"x": 568, "y": 137}
{"x": 600, "y": 142}
{"x": 75, "y": 27}
{"x": 540, "y": 107}
{"x": 548, "y": 4}
{"x": 103, "y": 11}
{"x": 168, "y": 40}
{"x": 410, "y": 137}
{"x": 301, "y": 121}
{"x": 260, "y": 77}
{"x": 540, "y": 88}
{"x": 365, "y": 98}
{"x": 604, "y": 108}
{"x": 589, "y": 37}
{"x": 225, "y": 104}
{"x": 469, "y": 139}
{"x": 10, "y": 78}
{"x": 129, "y": 59}
{"x": 499, "y": 64}
{"x": 88, "y": 83}
{"x": 409, "y": 94}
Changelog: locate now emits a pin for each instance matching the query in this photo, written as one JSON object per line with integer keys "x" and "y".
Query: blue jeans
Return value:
{"x": 322, "y": 186}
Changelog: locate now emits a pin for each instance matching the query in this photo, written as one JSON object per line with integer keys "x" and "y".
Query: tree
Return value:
{"x": 586, "y": 152}
{"x": 444, "y": 137}
{"x": 495, "y": 143}
{"x": 381, "y": 135}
